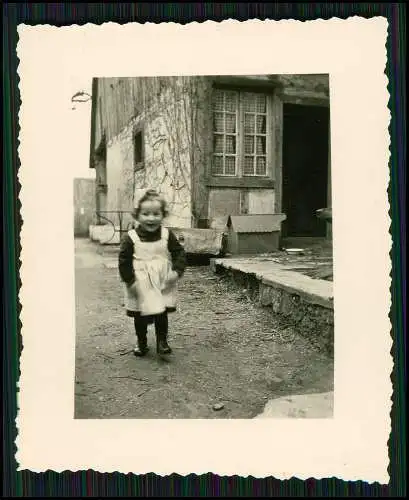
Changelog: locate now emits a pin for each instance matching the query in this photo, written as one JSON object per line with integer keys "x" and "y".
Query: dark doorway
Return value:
{"x": 305, "y": 169}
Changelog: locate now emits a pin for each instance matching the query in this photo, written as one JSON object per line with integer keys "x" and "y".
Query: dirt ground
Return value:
{"x": 226, "y": 350}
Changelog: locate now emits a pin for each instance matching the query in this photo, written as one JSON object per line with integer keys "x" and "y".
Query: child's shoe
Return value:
{"x": 142, "y": 346}
{"x": 162, "y": 346}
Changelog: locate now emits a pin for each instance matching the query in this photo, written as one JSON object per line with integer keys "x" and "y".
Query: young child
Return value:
{"x": 151, "y": 261}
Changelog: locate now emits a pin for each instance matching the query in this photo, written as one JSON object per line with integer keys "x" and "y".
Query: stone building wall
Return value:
{"x": 175, "y": 119}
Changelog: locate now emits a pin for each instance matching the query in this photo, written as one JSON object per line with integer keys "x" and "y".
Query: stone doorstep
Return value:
{"x": 313, "y": 291}
{"x": 300, "y": 406}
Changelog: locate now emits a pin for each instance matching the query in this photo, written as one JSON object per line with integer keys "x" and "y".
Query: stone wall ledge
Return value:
{"x": 269, "y": 274}
{"x": 310, "y": 290}
{"x": 305, "y": 302}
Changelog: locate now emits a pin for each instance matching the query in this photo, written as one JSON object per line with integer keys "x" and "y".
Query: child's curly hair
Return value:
{"x": 151, "y": 194}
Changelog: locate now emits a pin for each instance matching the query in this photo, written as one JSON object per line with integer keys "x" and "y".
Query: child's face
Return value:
{"x": 150, "y": 215}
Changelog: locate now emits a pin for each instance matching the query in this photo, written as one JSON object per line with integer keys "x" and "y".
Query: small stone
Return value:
{"x": 218, "y": 406}
{"x": 276, "y": 380}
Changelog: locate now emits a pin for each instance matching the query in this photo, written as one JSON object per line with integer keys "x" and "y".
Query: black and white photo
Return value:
{"x": 205, "y": 270}
{"x": 203, "y": 245}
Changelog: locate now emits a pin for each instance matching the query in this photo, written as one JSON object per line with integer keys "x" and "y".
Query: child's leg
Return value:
{"x": 141, "y": 330}
{"x": 161, "y": 330}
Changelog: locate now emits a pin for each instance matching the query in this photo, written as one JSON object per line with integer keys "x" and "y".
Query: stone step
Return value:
{"x": 300, "y": 406}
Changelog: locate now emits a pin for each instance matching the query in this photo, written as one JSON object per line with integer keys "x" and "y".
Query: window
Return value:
{"x": 225, "y": 128}
{"x": 138, "y": 150}
{"x": 240, "y": 133}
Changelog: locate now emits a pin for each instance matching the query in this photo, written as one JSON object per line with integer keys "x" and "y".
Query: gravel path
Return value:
{"x": 226, "y": 351}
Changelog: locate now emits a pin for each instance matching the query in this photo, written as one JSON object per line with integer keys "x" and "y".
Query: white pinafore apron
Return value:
{"x": 152, "y": 266}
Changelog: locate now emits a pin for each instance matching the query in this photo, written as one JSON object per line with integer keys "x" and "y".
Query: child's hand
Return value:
{"x": 132, "y": 289}
{"x": 173, "y": 277}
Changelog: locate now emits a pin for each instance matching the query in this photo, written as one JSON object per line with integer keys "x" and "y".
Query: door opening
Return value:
{"x": 305, "y": 169}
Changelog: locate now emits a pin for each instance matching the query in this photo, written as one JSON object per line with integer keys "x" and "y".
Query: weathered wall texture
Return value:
{"x": 202, "y": 151}
{"x": 310, "y": 320}
{"x": 302, "y": 88}
{"x": 119, "y": 169}
{"x": 226, "y": 201}
{"x": 171, "y": 113}
{"x": 167, "y": 149}
{"x": 222, "y": 203}
{"x": 84, "y": 206}
{"x": 259, "y": 201}
{"x": 174, "y": 114}
{"x": 117, "y": 102}
{"x": 101, "y": 185}
{"x": 239, "y": 201}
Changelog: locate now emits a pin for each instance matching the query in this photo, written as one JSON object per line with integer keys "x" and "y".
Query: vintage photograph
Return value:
{"x": 214, "y": 261}
{"x": 203, "y": 248}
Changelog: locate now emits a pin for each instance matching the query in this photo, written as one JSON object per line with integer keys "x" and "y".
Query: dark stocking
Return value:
{"x": 141, "y": 330}
{"x": 161, "y": 329}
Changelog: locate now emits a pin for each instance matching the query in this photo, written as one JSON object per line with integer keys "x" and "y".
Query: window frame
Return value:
{"x": 224, "y": 134}
{"x": 268, "y": 93}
